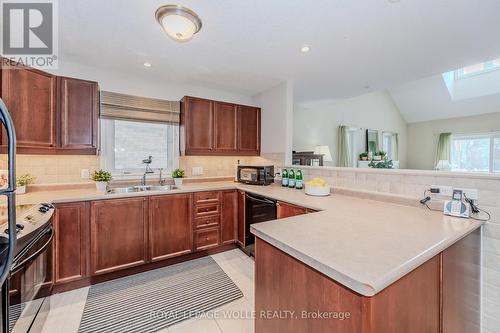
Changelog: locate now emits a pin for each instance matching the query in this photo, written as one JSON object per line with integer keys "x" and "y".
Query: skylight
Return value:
{"x": 477, "y": 69}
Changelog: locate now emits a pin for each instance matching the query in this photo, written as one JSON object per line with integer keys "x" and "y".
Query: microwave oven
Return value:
{"x": 256, "y": 175}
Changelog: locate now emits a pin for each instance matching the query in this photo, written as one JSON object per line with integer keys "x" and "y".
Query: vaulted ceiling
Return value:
{"x": 249, "y": 46}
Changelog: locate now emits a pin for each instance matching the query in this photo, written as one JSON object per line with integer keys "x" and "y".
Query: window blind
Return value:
{"x": 127, "y": 107}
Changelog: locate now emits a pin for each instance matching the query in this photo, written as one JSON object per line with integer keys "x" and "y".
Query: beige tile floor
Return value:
{"x": 67, "y": 308}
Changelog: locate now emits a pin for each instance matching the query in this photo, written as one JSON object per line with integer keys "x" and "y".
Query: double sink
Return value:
{"x": 146, "y": 188}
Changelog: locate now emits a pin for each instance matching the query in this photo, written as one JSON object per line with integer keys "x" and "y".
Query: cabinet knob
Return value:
{"x": 207, "y": 238}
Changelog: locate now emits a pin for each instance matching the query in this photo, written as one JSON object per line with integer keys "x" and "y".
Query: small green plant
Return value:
{"x": 381, "y": 153}
{"x": 387, "y": 164}
{"x": 178, "y": 173}
{"x": 101, "y": 176}
{"x": 25, "y": 179}
{"x": 363, "y": 155}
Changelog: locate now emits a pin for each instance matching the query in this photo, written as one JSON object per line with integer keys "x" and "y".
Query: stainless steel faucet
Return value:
{"x": 161, "y": 181}
{"x": 146, "y": 161}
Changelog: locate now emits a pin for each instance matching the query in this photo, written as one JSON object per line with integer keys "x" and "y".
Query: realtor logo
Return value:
{"x": 29, "y": 33}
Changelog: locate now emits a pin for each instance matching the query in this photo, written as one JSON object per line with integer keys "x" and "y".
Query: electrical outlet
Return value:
{"x": 442, "y": 190}
{"x": 197, "y": 171}
{"x": 85, "y": 173}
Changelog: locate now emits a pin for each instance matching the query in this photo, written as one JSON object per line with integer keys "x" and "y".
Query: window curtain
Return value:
{"x": 344, "y": 157}
{"x": 443, "y": 148}
{"x": 395, "y": 147}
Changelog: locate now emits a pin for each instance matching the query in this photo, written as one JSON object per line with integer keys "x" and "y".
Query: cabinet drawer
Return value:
{"x": 207, "y": 238}
{"x": 206, "y": 197}
{"x": 207, "y": 209}
{"x": 209, "y": 221}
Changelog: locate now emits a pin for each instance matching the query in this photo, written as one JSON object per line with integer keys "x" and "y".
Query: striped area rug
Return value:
{"x": 151, "y": 301}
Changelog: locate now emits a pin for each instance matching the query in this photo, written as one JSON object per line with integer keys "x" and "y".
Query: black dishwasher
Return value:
{"x": 257, "y": 209}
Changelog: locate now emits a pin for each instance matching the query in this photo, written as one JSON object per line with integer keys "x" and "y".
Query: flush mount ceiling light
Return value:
{"x": 179, "y": 23}
{"x": 147, "y": 64}
{"x": 305, "y": 49}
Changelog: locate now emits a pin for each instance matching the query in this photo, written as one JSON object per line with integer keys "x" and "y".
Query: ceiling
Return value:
{"x": 249, "y": 46}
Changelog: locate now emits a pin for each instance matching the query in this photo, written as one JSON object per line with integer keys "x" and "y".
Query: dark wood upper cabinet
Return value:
{"x": 248, "y": 130}
{"x": 226, "y": 127}
{"x": 229, "y": 217}
{"x": 118, "y": 234}
{"x": 30, "y": 96}
{"x": 71, "y": 240}
{"x": 78, "y": 110}
{"x": 219, "y": 128}
{"x": 51, "y": 114}
{"x": 197, "y": 123}
{"x": 170, "y": 226}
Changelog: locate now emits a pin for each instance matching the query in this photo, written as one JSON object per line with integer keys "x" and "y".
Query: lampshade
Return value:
{"x": 178, "y": 22}
{"x": 325, "y": 151}
{"x": 443, "y": 165}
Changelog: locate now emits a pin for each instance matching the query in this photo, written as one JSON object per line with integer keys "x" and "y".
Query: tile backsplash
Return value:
{"x": 50, "y": 169}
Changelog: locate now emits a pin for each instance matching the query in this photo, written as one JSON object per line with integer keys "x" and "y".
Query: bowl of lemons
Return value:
{"x": 317, "y": 187}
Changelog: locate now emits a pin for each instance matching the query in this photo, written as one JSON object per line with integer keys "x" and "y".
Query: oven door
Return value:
{"x": 29, "y": 282}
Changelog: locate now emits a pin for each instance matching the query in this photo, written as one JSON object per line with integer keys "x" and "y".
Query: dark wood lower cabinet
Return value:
{"x": 229, "y": 217}
{"x": 119, "y": 234}
{"x": 288, "y": 210}
{"x": 441, "y": 295}
{"x": 170, "y": 226}
{"x": 241, "y": 219}
{"x": 71, "y": 242}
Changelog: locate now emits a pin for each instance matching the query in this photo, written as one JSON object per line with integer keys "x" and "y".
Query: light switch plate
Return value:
{"x": 197, "y": 171}
{"x": 85, "y": 173}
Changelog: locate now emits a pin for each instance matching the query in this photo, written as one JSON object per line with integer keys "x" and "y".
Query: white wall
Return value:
{"x": 277, "y": 119}
{"x": 316, "y": 123}
{"x": 423, "y": 137}
{"x": 123, "y": 82}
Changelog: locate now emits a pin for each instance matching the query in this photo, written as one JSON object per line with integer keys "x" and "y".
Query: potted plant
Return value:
{"x": 101, "y": 178}
{"x": 22, "y": 181}
{"x": 363, "y": 156}
{"x": 379, "y": 155}
{"x": 177, "y": 175}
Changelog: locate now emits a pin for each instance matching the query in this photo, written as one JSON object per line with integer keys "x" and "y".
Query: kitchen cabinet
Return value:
{"x": 219, "y": 128}
{"x": 248, "y": 130}
{"x": 241, "y": 219}
{"x": 229, "y": 216}
{"x": 30, "y": 96}
{"x": 52, "y": 115}
{"x": 287, "y": 210}
{"x": 207, "y": 238}
{"x": 197, "y": 125}
{"x": 78, "y": 108}
{"x": 207, "y": 213}
{"x": 71, "y": 242}
{"x": 118, "y": 234}
{"x": 226, "y": 127}
{"x": 170, "y": 226}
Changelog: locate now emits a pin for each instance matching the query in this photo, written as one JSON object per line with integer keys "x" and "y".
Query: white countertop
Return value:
{"x": 366, "y": 245}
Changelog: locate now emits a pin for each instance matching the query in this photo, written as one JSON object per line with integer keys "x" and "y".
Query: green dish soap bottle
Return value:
{"x": 291, "y": 179}
{"x": 298, "y": 180}
{"x": 284, "y": 178}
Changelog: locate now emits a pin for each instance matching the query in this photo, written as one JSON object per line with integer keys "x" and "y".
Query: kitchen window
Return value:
{"x": 126, "y": 143}
{"x": 476, "y": 152}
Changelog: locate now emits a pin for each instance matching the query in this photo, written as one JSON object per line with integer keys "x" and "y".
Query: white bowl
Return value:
{"x": 318, "y": 191}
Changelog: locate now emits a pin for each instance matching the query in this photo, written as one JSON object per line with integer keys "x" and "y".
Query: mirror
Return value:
{"x": 372, "y": 142}
{"x": 449, "y": 121}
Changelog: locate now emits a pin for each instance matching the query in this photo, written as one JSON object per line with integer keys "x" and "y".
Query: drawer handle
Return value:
{"x": 207, "y": 238}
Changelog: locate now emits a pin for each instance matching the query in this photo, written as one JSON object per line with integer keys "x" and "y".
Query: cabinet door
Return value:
{"x": 30, "y": 97}
{"x": 118, "y": 234}
{"x": 198, "y": 121}
{"x": 248, "y": 130}
{"x": 71, "y": 242}
{"x": 170, "y": 226}
{"x": 241, "y": 218}
{"x": 226, "y": 127}
{"x": 78, "y": 106}
{"x": 229, "y": 216}
{"x": 286, "y": 210}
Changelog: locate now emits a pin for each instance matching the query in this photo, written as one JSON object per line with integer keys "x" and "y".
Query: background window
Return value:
{"x": 479, "y": 153}
{"x": 126, "y": 143}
